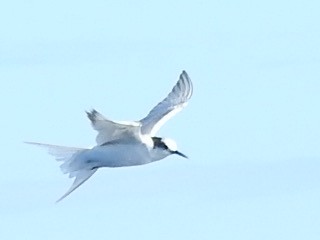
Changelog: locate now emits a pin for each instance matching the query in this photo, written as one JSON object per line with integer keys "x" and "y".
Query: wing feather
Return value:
{"x": 110, "y": 130}
{"x": 175, "y": 101}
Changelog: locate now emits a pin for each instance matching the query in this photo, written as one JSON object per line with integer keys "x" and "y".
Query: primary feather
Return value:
{"x": 175, "y": 101}
{"x": 110, "y": 130}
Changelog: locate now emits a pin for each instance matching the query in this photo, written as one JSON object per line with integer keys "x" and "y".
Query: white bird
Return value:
{"x": 121, "y": 144}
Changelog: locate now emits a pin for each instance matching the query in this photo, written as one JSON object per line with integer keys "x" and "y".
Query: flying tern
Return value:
{"x": 121, "y": 144}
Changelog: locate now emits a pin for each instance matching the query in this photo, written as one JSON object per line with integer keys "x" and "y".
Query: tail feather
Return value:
{"x": 61, "y": 153}
{"x": 81, "y": 177}
{"x": 72, "y": 164}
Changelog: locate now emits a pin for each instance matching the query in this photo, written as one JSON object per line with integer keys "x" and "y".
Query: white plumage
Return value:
{"x": 122, "y": 144}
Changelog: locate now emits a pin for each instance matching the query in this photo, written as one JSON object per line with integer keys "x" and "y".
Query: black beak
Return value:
{"x": 180, "y": 154}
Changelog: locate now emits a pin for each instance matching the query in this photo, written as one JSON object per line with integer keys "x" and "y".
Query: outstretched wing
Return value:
{"x": 172, "y": 104}
{"x": 110, "y": 130}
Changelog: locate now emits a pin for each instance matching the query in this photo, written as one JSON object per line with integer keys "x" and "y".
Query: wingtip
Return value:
{"x": 184, "y": 74}
{"x": 92, "y": 115}
{"x": 184, "y": 77}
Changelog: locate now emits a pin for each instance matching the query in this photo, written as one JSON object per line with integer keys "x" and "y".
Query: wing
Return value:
{"x": 172, "y": 104}
{"x": 109, "y": 130}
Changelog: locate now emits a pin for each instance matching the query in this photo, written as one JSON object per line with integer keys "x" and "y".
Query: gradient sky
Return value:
{"x": 251, "y": 130}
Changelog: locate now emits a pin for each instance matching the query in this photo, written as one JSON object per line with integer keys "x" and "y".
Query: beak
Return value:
{"x": 180, "y": 154}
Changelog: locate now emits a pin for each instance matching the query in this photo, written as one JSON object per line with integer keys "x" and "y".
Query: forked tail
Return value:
{"x": 72, "y": 165}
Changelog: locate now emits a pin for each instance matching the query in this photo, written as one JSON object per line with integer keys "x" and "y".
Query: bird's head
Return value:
{"x": 164, "y": 147}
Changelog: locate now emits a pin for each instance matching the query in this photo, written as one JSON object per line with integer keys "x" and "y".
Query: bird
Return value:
{"x": 123, "y": 143}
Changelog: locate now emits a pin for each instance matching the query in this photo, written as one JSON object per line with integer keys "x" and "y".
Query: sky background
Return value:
{"x": 251, "y": 129}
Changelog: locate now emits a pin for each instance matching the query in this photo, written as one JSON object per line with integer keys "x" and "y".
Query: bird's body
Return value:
{"x": 113, "y": 155}
{"x": 121, "y": 155}
{"x": 123, "y": 144}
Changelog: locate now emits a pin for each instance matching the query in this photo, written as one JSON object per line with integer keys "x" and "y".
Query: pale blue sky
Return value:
{"x": 251, "y": 130}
